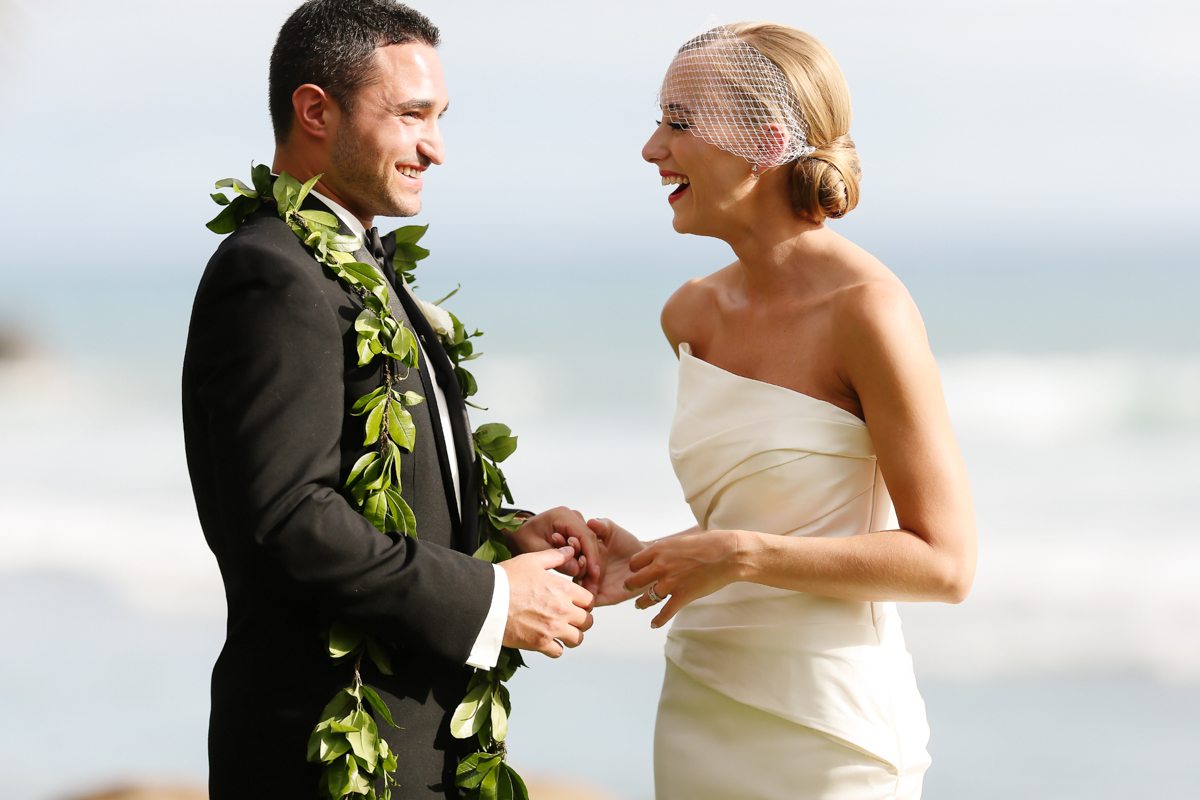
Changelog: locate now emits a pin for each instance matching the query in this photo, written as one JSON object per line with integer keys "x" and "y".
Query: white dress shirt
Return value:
{"x": 486, "y": 650}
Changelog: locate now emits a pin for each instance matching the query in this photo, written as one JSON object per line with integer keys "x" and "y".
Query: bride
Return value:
{"x": 809, "y": 404}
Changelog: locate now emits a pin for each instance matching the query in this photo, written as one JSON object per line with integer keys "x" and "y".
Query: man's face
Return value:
{"x": 380, "y": 151}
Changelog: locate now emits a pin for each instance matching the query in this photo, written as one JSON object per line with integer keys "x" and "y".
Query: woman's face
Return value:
{"x": 708, "y": 182}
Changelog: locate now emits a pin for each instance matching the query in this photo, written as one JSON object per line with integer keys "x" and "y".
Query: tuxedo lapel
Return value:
{"x": 459, "y": 421}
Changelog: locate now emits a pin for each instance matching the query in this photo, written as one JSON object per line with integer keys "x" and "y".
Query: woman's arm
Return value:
{"x": 886, "y": 362}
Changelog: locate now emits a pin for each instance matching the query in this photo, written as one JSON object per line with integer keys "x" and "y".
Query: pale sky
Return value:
{"x": 1063, "y": 121}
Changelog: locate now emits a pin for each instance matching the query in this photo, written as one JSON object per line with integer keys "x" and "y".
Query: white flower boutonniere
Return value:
{"x": 438, "y": 318}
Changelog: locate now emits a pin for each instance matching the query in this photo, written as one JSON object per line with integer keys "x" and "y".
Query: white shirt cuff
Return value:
{"x": 486, "y": 651}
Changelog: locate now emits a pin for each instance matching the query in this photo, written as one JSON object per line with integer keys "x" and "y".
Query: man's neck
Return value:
{"x": 302, "y": 169}
{"x": 349, "y": 220}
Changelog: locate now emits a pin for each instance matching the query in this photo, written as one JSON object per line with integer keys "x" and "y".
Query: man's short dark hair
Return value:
{"x": 331, "y": 43}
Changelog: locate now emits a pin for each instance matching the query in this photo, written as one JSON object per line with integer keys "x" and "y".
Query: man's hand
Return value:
{"x": 561, "y": 527}
{"x": 545, "y": 612}
{"x": 617, "y": 546}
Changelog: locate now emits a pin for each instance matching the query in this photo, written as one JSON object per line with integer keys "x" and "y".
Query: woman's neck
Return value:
{"x": 780, "y": 253}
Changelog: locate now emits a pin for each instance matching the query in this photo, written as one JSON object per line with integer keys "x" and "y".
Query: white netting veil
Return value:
{"x": 734, "y": 97}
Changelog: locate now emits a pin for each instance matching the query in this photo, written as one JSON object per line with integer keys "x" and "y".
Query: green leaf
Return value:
{"x": 366, "y": 350}
{"x": 407, "y": 252}
{"x": 260, "y": 176}
{"x": 493, "y": 552}
{"x": 404, "y": 346}
{"x": 467, "y": 720}
{"x": 401, "y": 428}
{"x": 364, "y": 462}
{"x": 367, "y": 274}
{"x": 375, "y": 510}
{"x": 321, "y": 218}
{"x": 345, "y": 243}
{"x": 466, "y": 382}
{"x": 496, "y": 440}
{"x": 514, "y": 656}
{"x": 487, "y": 789}
{"x": 232, "y": 215}
{"x": 371, "y": 480}
{"x": 374, "y": 424}
{"x": 304, "y": 190}
{"x": 410, "y": 233}
{"x": 499, "y": 717}
{"x": 410, "y": 398}
{"x": 341, "y": 704}
{"x": 472, "y": 769}
{"x": 337, "y": 776}
{"x": 388, "y": 757}
{"x": 376, "y": 702}
{"x": 345, "y": 724}
{"x": 504, "y": 784}
{"x": 343, "y": 640}
{"x": 237, "y": 186}
{"x": 363, "y": 741}
{"x": 447, "y": 297}
{"x": 493, "y": 483}
{"x": 220, "y": 199}
{"x": 367, "y": 401}
{"x": 285, "y": 191}
{"x": 520, "y": 790}
{"x": 325, "y": 745}
{"x": 402, "y": 514}
{"x": 382, "y": 661}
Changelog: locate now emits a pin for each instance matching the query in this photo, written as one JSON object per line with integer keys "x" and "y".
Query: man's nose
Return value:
{"x": 431, "y": 145}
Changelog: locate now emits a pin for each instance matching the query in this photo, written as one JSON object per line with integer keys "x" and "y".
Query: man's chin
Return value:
{"x": 406, "y": 206}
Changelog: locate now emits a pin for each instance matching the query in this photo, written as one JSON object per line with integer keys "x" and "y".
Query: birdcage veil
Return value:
{"x": 734, "y": 97}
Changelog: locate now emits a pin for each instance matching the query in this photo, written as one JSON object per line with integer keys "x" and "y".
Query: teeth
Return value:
{"x": 410, "y": 172}
{"x": 671, "y": 180}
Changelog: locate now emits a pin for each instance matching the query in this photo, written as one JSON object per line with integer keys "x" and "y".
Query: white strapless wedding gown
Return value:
{"x": 768, "y": 693}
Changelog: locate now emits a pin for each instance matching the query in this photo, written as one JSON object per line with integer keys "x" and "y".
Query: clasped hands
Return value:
{"x": 609, "y": 565}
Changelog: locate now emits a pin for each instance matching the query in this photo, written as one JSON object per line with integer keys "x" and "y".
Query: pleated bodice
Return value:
{"x": 760, "y": 457}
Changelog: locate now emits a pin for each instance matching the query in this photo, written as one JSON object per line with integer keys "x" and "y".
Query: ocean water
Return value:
{"x": 1073, "y": 670}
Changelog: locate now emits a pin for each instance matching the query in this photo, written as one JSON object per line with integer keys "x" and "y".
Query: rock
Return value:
{"x": 13, "y": 345}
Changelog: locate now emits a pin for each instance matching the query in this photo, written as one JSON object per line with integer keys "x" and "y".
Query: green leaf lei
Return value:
{"x": 347, "y": 740}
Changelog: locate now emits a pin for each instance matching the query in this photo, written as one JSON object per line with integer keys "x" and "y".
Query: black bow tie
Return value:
{"x": 375, "y": 245}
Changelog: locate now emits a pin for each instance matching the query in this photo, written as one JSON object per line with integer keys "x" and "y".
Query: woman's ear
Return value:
{"x": 774, "y": 142}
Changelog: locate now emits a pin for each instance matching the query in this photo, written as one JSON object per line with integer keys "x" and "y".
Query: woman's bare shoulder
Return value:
{"x": 686, "y": 311}
{"x": 876, "y": 317}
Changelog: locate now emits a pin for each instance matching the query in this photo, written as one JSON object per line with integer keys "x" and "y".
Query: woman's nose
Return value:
{"x": 655, "y": 148}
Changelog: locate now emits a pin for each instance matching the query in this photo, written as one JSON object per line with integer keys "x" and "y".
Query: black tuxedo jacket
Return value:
{"x": 269, "y": 374}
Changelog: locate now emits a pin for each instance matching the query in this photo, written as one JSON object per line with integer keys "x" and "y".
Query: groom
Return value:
{"x": 356, "y": 91}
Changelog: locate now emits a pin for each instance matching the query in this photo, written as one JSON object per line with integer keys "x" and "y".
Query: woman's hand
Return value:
{"x": 686, "y": 567}
{"x": 617, "y": 546}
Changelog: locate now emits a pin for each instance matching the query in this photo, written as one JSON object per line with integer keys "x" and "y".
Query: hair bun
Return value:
{"x": 825, "y": 183}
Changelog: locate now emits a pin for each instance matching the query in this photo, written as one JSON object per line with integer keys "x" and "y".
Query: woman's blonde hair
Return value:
{"x": 825, "y": 182}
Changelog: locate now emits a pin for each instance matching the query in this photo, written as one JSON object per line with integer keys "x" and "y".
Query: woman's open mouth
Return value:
{"x": 673, "y": 179}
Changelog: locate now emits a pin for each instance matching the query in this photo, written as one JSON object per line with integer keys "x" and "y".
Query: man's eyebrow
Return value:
{"x": 414, "y": 105}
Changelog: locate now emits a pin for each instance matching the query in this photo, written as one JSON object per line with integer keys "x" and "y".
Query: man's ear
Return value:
{"x": 316, "y": 112}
